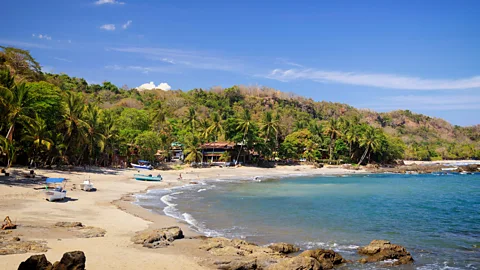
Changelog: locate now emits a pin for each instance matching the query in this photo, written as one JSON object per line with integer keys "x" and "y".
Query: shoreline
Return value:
{"x": 111, "y": 208}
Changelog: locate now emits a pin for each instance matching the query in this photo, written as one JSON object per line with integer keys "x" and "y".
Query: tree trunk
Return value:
{"x": 363, "y": 156}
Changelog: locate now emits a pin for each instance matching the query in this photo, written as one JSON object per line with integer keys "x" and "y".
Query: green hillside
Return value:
{"x": 54, "y": 119}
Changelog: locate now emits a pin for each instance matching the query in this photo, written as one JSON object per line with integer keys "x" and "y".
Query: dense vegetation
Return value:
{"x": 53, "y": 119}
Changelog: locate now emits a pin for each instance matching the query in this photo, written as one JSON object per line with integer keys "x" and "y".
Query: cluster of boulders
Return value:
{"x": 74, "y": 260}
{"x": 383, "y": 250}
{"x": 238, "y": 254}
{"x": 158, "y": 238}
{"x": 81, "y": 230}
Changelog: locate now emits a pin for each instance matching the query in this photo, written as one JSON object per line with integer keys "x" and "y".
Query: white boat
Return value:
{"x": 87, "y": 186}
{"x": 57, "y": 193}
{"x": 142, "y": 164}
{"x": 450, "y": 169}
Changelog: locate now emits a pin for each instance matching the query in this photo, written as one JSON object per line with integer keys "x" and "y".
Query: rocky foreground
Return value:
{"x": 236, "y": 254}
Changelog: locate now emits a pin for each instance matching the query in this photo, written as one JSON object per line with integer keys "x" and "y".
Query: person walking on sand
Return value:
{"x": 180, "y": 176}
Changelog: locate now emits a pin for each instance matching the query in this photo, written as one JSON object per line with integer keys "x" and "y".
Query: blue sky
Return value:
{"x": 381, "y": 55}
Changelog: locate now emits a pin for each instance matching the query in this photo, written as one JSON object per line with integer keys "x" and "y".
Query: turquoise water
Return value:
{"x": 437, "y": 218}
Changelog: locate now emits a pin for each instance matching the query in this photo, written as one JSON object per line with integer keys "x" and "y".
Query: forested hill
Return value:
{"x": 56, "y": 119}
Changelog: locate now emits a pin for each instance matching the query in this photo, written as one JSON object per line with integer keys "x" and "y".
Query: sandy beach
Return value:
{"x": 111, "y": 208}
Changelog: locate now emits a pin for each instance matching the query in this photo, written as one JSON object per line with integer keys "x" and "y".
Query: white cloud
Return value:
{"x": 127, "y": 24}
{"x": 164, "y": 86}
{"x": 187, "y": 59}
{"x": 425, "y": 102}
{"x": 108, "y": 27}
{"x": 151, "y": 86}
{"x": 375, "y": 80}
{"x": 40, "y": 36}
{"x": 23, "y": 44}
{"x": 62, "y": 59}
{"x": 101, "y": 2}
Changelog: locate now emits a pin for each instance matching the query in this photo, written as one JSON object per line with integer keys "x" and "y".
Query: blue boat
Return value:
{"x": 143, "y": 177}
{"x": 142, "y": 164}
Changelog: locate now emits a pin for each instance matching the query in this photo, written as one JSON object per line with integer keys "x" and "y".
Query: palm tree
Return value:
{"x": 332, "y": 129}
{"x": 38, "y": 133}
{"x": 244, "y": 125}
{"x": 215, "y": 129}
{"x": 94, "y": 130}
{"x": 16, "y": 102}
{"x": 371, "y": 140}
{"x": 110, "y": 132}
{"x": 76, "y": 129}
{"x": 191, "y": 119}
{"x": 159, "y": 116}
{"x": 269, "y": 126}
{"x": 193, "y": 154}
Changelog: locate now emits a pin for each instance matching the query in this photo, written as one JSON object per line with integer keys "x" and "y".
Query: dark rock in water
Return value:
{"x": 381, "y": 250}
{"x": 284, "y": 248}
{"x": 238, "y": 264}
{"x": 327, "y": 258}
{"x": 68, "y": 224}
{"x": 74, "y": 260}
{"x": 36, "y": 262}
{"x": 155, "y": 238}
{"x": 297, "y": 263}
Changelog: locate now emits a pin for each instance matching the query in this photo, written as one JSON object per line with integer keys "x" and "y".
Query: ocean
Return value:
{"x": 435, "y": 217}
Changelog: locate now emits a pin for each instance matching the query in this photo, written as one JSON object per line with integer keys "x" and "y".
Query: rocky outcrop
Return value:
{"x": 381, "y": 250}
{"x": 327, "y": 258}
{"x": 158, "y": 238}
{"x": 237, "y": 264}
{"x": 284, "y": 248}
{"x": 36, "y": 262}
{"x": 297, "y": 263}
{"x": 15, "y": 245}
{"x": 81, "y": 230}
{"x": 240, "y": 254}
{"x": 74, "y": 260}
{"x": 65, "y": 224}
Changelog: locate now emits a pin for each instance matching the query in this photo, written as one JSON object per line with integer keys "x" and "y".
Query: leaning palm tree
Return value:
{"x": 371, "y": 140}
{"x": 16, "y": 103}
{"x": 159, "y": 115}
{"x": 38, "y": 133}
{"x": 332, "y": 129}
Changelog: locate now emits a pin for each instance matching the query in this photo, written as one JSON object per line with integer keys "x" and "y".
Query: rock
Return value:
{"x": 152, "y": 238}
{"x": 91, "y": 232}
{"x": 381, "y": 250}
{"x": 17, "y": 247}
{"x": 74, "y": 260}
{"x": 16, "y": 238}
{"x": 36, "y": 262}
{"x": 237, "y": 265}
{"x": 297, "y": 263}
{"x": 284, "y": 248}
{"x": 327, "y": 258}
{"x": 68, "y": 224}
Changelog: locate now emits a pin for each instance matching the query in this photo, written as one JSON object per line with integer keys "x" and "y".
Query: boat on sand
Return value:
{"x": 144, "y": 177}
{"x": 58, "y": 192}
{"x": 142, "y": 164}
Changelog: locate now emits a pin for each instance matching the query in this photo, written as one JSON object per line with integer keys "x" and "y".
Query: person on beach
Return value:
{"x": 180, "y": 176}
